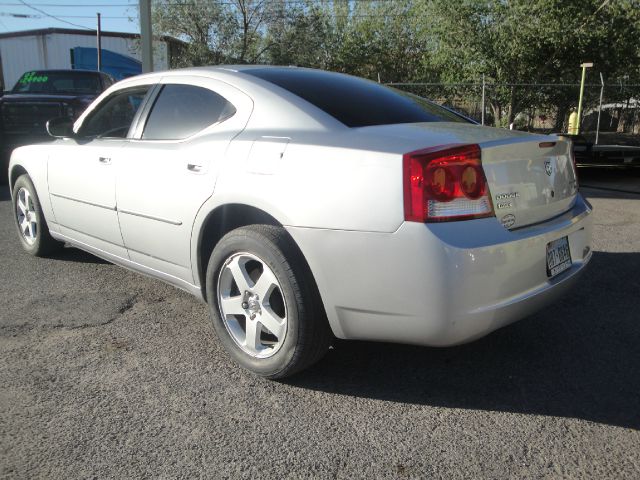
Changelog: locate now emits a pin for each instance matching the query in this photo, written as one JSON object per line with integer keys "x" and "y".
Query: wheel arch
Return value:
{"x": 229, "y": 216}
{"x": 32, "y": 160}
{"x": 16, "y": 171}
{"x": 220, "y": 221}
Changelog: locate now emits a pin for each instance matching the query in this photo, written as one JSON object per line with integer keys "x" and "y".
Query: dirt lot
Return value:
{"x": 107, "y": 374}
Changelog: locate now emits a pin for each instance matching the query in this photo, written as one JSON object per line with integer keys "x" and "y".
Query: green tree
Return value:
{"x": 299, "y": 34}
{"x": 519, "y": 41}
{"x": 216, "y": 31}
{"x": 205, "y": 26}
{"x": 381, "y": 40}
{"x": 509, "y": 41}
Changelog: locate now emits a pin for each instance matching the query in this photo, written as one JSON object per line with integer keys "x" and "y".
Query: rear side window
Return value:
{"x": 354, "y": 101}
{"x": 183, "y": 110}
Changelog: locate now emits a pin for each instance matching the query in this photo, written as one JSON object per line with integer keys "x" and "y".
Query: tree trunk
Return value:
{"x": 245, "y": 29}
{"x": 496, "y": 114}
{"x": 623, "y": 124}
{"x": 560, "y": 116}
{"x": 512, "y": 106}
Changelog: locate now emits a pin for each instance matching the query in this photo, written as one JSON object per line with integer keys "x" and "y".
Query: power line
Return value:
{"x": 67, "y": 5}
{"x": 53, "y": 16}
{"x": 19, "y": 15}
{"x": 351, "y": 14}
{"x": 186, "y": 3}
{"x": 275, "y": 17}
{"x": 93, "y": 16}
{"x": 30, "y": 15}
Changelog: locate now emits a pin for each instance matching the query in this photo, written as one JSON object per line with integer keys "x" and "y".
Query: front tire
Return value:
{"x": 264, "y": 303}
{"x": 29, "y": 219}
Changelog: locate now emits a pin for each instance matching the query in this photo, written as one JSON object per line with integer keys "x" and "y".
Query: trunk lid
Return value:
{"x": 531, "y": 177}
{"x": 530, "y": 181}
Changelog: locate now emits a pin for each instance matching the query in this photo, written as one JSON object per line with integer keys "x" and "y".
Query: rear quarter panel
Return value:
{"x": 316, "y": 184}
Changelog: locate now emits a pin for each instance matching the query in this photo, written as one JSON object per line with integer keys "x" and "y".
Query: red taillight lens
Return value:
{"x": 445, "y": 183}
{"x": 440, "y": 182}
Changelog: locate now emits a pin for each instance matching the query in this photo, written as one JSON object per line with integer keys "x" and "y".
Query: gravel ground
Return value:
{"x": 108, "y": 374}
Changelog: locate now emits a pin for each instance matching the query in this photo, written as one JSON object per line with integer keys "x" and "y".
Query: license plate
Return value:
{"x": 558, "y": 257}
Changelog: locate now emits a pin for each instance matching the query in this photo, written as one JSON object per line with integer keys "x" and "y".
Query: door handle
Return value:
{"x": 192, "y": 167}
{"x": 104, "y": 160}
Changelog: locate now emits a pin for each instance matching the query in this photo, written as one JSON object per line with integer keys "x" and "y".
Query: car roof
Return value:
{"x": 325, "y": 99}
{"x": 224, "y": 69}
{"x": 241, "y": 68}
{"x": 277, "y": 109}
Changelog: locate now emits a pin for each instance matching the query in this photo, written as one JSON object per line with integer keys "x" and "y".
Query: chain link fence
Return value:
{"x": 610, "y": 111}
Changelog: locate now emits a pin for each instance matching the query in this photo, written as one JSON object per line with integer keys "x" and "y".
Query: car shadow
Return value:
{"x": 72, "y": 254}
{"x": 5, "y": 195}
{"x": 579, "y": 358}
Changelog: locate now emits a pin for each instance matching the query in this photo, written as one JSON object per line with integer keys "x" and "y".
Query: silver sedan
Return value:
{"x": 304, "y": 205}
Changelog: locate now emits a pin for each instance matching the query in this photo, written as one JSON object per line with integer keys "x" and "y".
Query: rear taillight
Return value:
{"x": 445, "y": 183}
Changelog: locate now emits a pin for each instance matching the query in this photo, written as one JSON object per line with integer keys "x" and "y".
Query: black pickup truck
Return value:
{"x": 41, "y": 95}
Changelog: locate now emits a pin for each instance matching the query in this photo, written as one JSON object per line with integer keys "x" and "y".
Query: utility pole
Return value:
{"x": 146, "y": 36}
{"x": 483, "y": 106}
{"x": 99, "y": 47}
{"x": 584, "y": 74}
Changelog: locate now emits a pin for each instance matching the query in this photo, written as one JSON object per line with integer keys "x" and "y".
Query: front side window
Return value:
{"x": 183, "y": 110}
{"x": 113, "y": 117}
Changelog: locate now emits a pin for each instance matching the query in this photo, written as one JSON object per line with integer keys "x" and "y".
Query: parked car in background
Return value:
{"x": 303, "y": 204}
{"x": 40, "y": 95}
{"x": 589, "y": 154}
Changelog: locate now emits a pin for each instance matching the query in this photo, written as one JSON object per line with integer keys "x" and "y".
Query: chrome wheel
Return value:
{"x": 27, "y": 218}
{"x": 252, "y": 305}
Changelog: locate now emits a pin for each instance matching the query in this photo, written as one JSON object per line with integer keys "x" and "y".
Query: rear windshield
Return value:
{"x": 58, "y": 82}
{"x": 354, "y": 101}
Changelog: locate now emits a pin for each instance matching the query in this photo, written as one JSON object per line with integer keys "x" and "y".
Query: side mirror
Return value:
{"x": 60, "y": 127}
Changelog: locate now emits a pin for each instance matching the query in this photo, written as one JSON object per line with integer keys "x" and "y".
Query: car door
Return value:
{"x": 82, "y": 174}
{"x": 169, "y": 168}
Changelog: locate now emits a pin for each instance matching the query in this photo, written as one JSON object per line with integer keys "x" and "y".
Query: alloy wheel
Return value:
{"x": 252, "y": 305}
{"x": 27, "y": 217}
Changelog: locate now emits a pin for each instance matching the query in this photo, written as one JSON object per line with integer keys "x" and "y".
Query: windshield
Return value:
{"x": 354, "y": 101}
{"x": 58, "y": 82}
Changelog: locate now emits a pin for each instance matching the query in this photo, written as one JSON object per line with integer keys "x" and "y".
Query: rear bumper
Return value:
{"x": 440, "y": 284}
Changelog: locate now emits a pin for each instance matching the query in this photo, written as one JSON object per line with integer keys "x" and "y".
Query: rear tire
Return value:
{"x": 33, "y": 230}
{"x": 264, "y": 302}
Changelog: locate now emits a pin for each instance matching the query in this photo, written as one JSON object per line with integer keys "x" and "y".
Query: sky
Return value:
{"x": 117, "y": 15}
